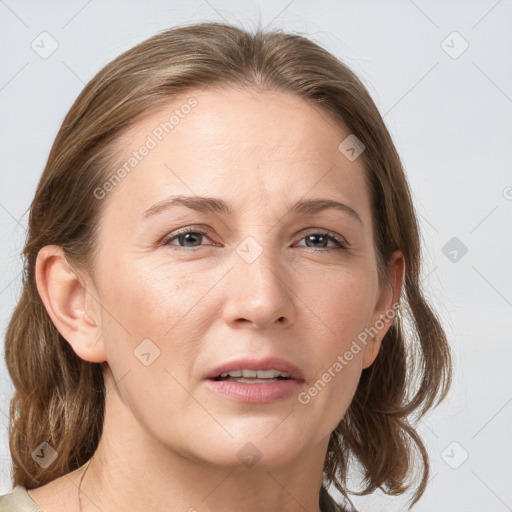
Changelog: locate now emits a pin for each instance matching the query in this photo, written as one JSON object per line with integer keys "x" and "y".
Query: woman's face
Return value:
{"x": 256, "y": 278}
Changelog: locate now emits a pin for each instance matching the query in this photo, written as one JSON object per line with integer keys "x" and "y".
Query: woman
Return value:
{"x": 216, "y": 253}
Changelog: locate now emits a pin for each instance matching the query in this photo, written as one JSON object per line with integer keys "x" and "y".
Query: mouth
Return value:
{"x": 256, "y": 381}
{"x": 252, "y": 376}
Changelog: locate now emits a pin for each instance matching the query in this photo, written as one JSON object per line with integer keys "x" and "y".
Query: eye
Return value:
{"x": 191, "y": 237}
{"x": 320, "y": 239}
{"x": 187, "y": 238}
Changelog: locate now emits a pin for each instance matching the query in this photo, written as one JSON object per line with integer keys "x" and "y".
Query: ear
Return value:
{"x": 385, "y": 308}
{"x": 71, "y": 307}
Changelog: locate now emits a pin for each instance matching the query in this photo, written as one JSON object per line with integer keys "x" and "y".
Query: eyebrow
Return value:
{"x": 214, "y": 205}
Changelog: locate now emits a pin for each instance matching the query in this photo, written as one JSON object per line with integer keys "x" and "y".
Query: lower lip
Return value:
{"x": 263, "y": 393}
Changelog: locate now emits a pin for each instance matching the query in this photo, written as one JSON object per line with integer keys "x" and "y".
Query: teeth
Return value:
{"x": 254, "y": 381}
{"x": 236, "y": 373}
{"x": 270, "y": 374}
{"x": 255, "y": 374}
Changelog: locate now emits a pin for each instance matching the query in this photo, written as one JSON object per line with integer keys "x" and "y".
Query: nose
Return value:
{"x": 260, "y": 293}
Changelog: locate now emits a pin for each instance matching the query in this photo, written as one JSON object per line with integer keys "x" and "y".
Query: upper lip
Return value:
{"x": 269, "y": 363}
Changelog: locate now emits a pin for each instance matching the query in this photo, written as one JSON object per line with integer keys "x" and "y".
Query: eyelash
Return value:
{"x": 329, "y": 234}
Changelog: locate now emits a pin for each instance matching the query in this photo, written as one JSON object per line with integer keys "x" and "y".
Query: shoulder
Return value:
{"x": 18, "y": 501}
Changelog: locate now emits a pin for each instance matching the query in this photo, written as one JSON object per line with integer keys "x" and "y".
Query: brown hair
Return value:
{"x": 59, "y": 397}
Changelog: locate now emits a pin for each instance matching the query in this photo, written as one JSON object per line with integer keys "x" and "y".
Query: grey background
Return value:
{"x": 449, "y": 112}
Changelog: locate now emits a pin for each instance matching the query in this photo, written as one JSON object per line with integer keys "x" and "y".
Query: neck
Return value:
{"x": 132, "y": 470}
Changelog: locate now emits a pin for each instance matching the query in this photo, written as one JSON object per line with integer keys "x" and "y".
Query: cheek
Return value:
{"x": 342, "y": 308}
{"x": 331, "y": 391}
{"x": 149, "y": 299}
{"x": 158, "y": 303}
{"x": 340, "y": 305}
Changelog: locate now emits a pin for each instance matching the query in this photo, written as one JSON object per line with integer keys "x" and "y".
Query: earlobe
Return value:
{"x": 370, "y": 352}
{"x": 68, "y": 304}
{"x": 386, "y": 308}
{"x": 387, "y": 305}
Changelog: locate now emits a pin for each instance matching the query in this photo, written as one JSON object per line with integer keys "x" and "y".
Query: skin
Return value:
{"x": 169, "y": 443}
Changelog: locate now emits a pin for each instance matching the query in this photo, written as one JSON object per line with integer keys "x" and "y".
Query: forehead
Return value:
{"x": 249, "y": 143}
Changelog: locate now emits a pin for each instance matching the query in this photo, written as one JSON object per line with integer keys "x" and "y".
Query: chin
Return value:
{"x": 253, "y": 450}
